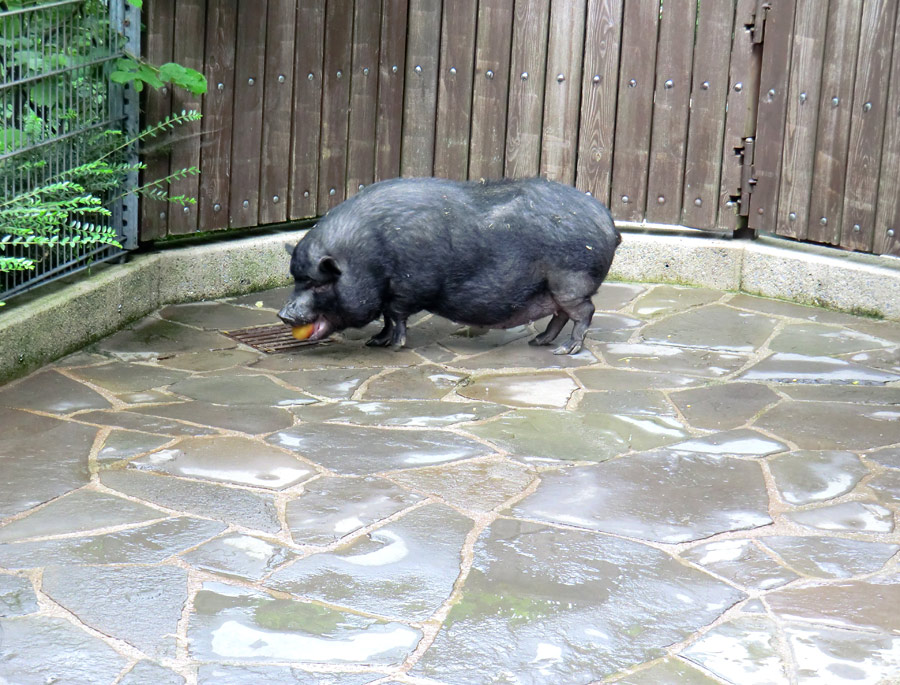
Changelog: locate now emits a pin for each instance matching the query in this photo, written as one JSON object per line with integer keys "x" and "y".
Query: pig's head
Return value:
{"x": 329, "y": 292}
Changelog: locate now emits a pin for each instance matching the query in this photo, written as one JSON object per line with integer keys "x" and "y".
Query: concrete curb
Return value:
{"x": 56, "y": 320}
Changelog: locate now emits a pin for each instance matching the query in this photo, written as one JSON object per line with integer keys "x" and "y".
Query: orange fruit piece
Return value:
{"x": 302, "y": 332}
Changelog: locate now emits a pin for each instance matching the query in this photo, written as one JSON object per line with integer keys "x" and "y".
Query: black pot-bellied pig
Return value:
{"x": 492, "y": 254}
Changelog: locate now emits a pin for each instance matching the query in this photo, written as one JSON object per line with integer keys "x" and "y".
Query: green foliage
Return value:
{"x": 130, "y": 69}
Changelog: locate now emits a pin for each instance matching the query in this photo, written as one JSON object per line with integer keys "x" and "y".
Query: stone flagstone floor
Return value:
{"x": 707, "y": 494}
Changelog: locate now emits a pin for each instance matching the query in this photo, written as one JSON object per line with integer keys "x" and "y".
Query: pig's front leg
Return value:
{"x": 553, "y": 328}
{"x": 385, "y": 336}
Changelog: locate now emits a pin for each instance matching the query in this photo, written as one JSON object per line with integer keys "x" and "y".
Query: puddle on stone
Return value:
{"x": 833, "y": 425}
{"x": 743, "y": 651}
{"x": 331, "y": 508}
{"x": 17, "y": 596}
{"x": 832, "y": 655}
{"x": 614, "y": 296}
{"x": 803, "y": 477}
{"x": 667, "y": 299}
{"x": 421, "y": 414}
{"x": 234, "y": 624}
{"x": 864, "y": 517}
{"x": 333, "y": 383}
{"x": 240, "y": 391}
{"x": 817, "y": 339}
{"x": 41, "y": 649}
{"x": 231, "y": 460}
{"x": 252, "y": 420}
{"x": 668, "y": 358}
{"x": 639, "y": 402}
{"x": 404, "y": 570}
{"x": 742, "y": 562}
{"x": 829, "y": 557}
{"x": 216, "y": 674}
{"x": 149, "y": 673}
{"x": 152, "y": 338}
{"x": 668, "y": 672}
{"x": 80, "y": 511}
{"x": 716, "y": 327}
{"x": 622, "y": 379}
{"x": 577, "y": 436}
{"x": 612, "y": 327}
{"x": 526, "y": 390}
{"x": 783, "y": 367}
{"x": 156, "y": 594}
{"x": 240, "y": 556}
{"x": 418, "y": 383}
{"x": 741, "y": 442}
{"x": 51, "y": 392}
{"x": 704, "y": 495}
{"x": 231, "y": 505}
{"x": 604, "y": 604}
{"x": 361, "y": 451}
{"x": 119, "y": 377}
{"x": 216, "y": 316}
{"x": 725, "y": 406}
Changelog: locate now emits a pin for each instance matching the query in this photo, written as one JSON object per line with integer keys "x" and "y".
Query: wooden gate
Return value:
{"x": 708, "y": 115}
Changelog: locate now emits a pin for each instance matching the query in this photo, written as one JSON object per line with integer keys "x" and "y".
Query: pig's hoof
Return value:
{"x": 378, "y": 341}
{"x": 568, "y": 347}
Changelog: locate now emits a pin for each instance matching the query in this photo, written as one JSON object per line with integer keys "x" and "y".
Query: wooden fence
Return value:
{"x": 783, "y": 115}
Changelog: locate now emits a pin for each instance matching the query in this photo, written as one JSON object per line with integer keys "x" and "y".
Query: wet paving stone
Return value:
{"x": 253, "y": 420}
{"x": 622, "y": 379}
{"x": 231, "y": 505}
{"x": 825, "y": 654}
{"x": 331, "y": 508}
{"x": 723, "y": 406}
{"x": 886, "y": 487}
{"x": 603, "y": 605}
{"x": 888, "y": 456}
{"x": 17, "y": 598}
{"x": 217, "y": 316}
{"x": 744, "y": 651}
{"x": 419, "y": 383}
{"x": 705, "y": 495}
{"x": 668, "y": 671}
{"x": 613, "y": 296}
{"x": 864, "y": 517}
{"x": 829, "y": 557}
{"x": 233, "y": 624}
{"x": 240, "y": 391}
{"x": 742, "y": 562}
{"x": 80, "y": 511}
{"x": 472, "y": 485}
{"x": 783, "y": 367}
{"x": 819, "y": 340}
{"x": 833, "y": 425}
{"x": 612, "y": 327}
{"x": 52, "y": 392}
{"x": 216, "y": 360}
{"x": 637, "y": 402}
{"x": 789, "y": 309}
{"x": 272, "y": 299}
{"x": 522, "y": 390}
{"x": 231, "y": 460}
{"x": 860, "y": 394}
{"x": 716, "y": 327}
{"x": 338, "y": 354}
{"x": 145, "y": 545}
{"x": 470, "y": 340}
{"x": 803, "y": 477}
{"x": 239, "y": 556}
{"x": 156, "y": 594}
{"x": 669, "y": 358}
{"x": 146, "y": 397}
{"x": 886, "y": 360}
{"x": 525, "y": 357}
{"x": 355, "y": 450}
{"x": 668, "y": 299}
{"x": 214, "y": 674}
{"x": 41, "y": 649}
{"x": 404, "y": 570}
{"x": 333, "y": 383}
{"x": 153, "y": 338}
{"x": 119, "y": 377}
{"x": 739, "y": 442}
{"x": 545, "y": 434}
{"x": 422, "y": 413}
{"x": 134, "y": 421}
{"x": 149, "y": 673}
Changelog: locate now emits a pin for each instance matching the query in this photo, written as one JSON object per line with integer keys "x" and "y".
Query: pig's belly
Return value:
{"x": 498, "y": 314}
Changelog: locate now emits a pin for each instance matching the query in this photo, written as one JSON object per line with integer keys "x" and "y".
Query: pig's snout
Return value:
{"x": 291, "y": 316}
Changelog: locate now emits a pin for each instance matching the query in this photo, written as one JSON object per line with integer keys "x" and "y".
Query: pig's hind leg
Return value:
{"x": 572, "y": 292}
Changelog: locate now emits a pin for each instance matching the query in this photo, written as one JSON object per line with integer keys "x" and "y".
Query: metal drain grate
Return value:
{"x": 269, "y": 339}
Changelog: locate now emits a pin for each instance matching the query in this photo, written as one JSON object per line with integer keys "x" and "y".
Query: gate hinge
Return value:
{"x": 758, "y": 27}
{"x": 748, "y": 177}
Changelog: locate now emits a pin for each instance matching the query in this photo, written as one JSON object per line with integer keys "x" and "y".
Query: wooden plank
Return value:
{"x": 867, "y": 122}
{"x": 833, "y": 134}
{"x": 363, "y": 95}
{"x": 276, "y": 132}
{"x": 526, "y": 88}
{"x": 633, "y": 117}
{"x": 307, "y": 109}
{"x": 190, "y": 18}
{"x": 703, "y": 158}
{"x": 562, "y": 90}
{"x": 600, "y": 82}
{"x": 887, "y": 220}
{"x": 249, "y": 62}
{"x": 420, "y": 87}
{"x": 740, "y": 119}
{"x": 773, "y": 87}
{"x": 675, "y": 55}
{"x": 490, "y": 89}
{"x": 218, "y": 103}
{"x": 389, "y": 124}
{"x": 157, "y": 105}
{"x": 804, "y": 97}
{"x": 454, "y": 109}
{"x": 335, "y": 104}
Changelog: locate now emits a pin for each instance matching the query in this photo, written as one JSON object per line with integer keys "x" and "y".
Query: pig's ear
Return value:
{"x": 329, "y": 266}
{"x": 289, "y": 248}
